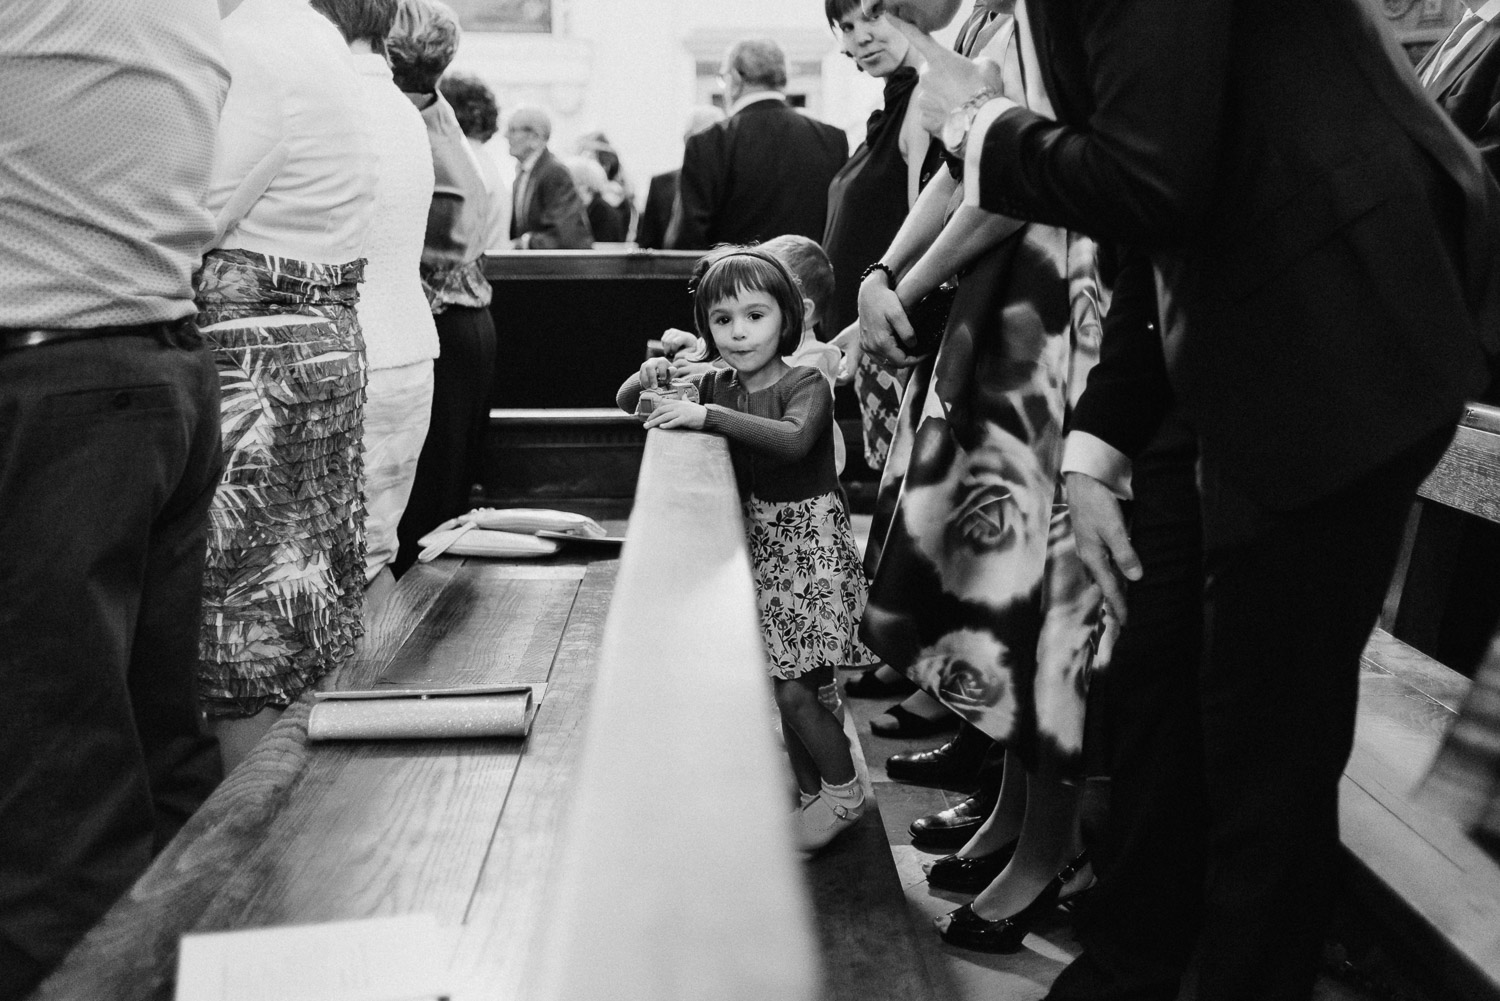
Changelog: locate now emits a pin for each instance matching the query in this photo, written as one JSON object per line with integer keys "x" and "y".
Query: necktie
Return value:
{"x": 523, "y": 191}
{"x": 1451, "y": 46}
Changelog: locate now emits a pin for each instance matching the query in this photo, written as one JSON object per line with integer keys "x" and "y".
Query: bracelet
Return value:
{"x": 890, "y": 276}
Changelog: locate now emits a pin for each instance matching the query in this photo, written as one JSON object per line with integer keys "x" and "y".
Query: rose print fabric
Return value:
{"x": 979, "y": 595}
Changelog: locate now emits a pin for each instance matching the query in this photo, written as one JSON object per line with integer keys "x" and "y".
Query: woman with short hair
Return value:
{"x": 422, "y": 42}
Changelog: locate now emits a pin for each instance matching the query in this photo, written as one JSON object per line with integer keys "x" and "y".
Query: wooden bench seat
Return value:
{"x": 634, "y": 845}
{"x": 1413, "y": 867}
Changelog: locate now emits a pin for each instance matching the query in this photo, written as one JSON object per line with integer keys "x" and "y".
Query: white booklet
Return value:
{"x": 401, "y": 958}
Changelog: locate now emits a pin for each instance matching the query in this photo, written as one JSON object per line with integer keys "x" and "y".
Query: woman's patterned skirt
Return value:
{"x": 284, "y": 582}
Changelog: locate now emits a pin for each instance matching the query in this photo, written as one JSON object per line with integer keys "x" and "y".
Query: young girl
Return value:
{"x": 808, "y": 582}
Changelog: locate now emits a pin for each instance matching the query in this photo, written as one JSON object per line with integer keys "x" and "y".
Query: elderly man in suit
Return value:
{"x": 1321, "y": 242}
{"x": 765, "y": 171}
{"x": 661, "y": 196}
{"x": 548, "y": 214}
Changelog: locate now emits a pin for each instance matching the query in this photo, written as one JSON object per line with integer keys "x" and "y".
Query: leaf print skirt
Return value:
{"x": 809, "y": 585}
{"x": 284, "y": 581}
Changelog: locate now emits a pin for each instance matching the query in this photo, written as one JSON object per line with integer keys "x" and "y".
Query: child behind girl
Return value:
{"x": 809, "y": 585}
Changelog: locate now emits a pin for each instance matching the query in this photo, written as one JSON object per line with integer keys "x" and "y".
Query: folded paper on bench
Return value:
{"x": 372, "y": 959}
{"x": 423, "y": 714}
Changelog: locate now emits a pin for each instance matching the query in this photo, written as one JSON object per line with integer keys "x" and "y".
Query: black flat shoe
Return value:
{"x": 951, "y": 829}
{"x": 970, "y": 931}
{"x": 954, "y": 765}
{"x": 909, "y": 724}
{"x": 969, "y": 875}
{"x": 869, "y": 686}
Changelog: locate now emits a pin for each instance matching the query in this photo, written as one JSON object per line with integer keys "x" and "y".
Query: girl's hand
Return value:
{"x": 678, "y": 414}
{"x": 689, "y": 369}
{"x": 656, "y": 372}
{"x": 674, "y": 340}
{"x": 848, "y": 344}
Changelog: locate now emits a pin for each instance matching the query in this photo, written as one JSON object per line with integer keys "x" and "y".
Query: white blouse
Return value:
{"x": 294, "y": 175}
{"x": 393, "y": 310}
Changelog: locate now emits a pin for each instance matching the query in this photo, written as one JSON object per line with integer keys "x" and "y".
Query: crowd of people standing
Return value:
{"x": 1099, "y": 255}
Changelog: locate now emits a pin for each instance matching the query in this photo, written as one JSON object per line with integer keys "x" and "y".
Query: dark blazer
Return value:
{"x": 1469, "y": 91}
{"x": 764, "y": 172}
{"x": 1322, "y": 236}
{"x": 554, "y": 214}
{"x": 651, "y": 231}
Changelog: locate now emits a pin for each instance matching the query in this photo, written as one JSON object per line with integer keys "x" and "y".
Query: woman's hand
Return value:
{"x": 678, "y": 414}
{"x": 851, "y": 352}
{"x": 882, "y": 318}
{"x": 656, "y": 372}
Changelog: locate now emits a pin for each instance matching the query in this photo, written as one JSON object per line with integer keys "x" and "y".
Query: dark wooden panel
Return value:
{"x": 870, "y": 950}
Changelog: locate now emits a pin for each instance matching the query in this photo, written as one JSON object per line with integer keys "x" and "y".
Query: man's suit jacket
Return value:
{"x": 554, "y": 215}
{"x": 764, "y": 172}
{"x": 1469, "y": 91}
{"x": 1322, "y": 238}
{"x": 651, "y": 231}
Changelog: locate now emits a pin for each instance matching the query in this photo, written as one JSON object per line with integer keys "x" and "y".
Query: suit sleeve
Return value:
{"x": 1487, "y": 139}
{"x": 1142, "y": 170}
{"x": 1128, "y": 394}
{"x": 697, "y": 195}
{"x": 564, "y": 223}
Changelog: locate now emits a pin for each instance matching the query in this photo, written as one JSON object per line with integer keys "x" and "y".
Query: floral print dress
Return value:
{"x": 979, "y": 595}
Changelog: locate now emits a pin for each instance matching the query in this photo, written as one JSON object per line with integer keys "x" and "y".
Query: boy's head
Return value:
{"x": 812, "y": 269}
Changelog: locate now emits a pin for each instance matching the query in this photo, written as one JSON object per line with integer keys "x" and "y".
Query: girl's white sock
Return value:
{"x": 850, "y": 795}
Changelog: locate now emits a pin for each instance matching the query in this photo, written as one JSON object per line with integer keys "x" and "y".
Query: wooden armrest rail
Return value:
{"x": 680, "y": 879}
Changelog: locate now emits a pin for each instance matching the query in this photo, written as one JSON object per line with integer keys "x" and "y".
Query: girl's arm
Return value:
{"x": 808, "y": 413}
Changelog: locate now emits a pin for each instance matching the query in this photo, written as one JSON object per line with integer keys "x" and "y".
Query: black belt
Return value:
{"x": 177, "y": 334}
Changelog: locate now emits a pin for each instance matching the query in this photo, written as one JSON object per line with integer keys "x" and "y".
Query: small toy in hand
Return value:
{"x": 665, "y": 388}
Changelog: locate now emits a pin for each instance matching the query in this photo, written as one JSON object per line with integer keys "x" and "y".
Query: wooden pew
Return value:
{"x": 1412, "y": 867}
{"x": 654, "y": 864}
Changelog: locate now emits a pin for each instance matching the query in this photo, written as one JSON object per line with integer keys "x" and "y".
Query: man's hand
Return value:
{"x": 948, "y": 79}
{"x": 882, "y": 318}
{"x": 1103, "y": 543}
{"x": 678, "y": 414}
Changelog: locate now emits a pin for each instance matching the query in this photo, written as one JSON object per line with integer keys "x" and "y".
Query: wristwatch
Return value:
{"x": 961, "y": 119}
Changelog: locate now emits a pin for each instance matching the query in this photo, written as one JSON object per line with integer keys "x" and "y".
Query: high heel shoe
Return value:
{"x": 969, "y": 875}
{"x": 970, "y": 931}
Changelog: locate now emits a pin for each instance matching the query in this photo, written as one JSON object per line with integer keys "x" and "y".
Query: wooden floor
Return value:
{"x": 961, "y": 975}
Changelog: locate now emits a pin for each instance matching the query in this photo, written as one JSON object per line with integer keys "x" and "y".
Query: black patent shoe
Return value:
{"x": 907, "y": 724}
{"x": 954, "y": 765}
{"x": 869, "y": 686}
{"x": 969, "y": 875}
{"x": 968, "y": 930}
{"x": 951, "y": 829}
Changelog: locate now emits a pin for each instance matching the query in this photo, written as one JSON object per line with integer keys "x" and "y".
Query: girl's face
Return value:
{"x": 746, "y": 329}
{"x": 875, "y": 45}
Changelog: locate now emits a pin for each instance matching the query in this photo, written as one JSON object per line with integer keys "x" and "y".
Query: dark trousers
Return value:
{"x": 462, "y": 377}
{"x": 109, "y": 456}
{"x": 1223, "y": 834}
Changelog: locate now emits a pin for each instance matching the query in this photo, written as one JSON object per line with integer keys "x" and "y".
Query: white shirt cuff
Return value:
{"x": 974, "y": 145}
{"x": 1093, "y": 456}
